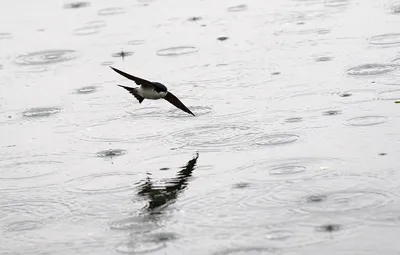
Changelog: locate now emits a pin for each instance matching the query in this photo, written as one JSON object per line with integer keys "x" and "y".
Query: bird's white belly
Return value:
{"x": 151, "y": 94}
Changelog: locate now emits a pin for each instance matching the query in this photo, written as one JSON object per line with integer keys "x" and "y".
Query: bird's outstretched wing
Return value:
{"x": 137, "y": 80}
{"x": 175, "y": 101}
{"x": 133, "y": 91}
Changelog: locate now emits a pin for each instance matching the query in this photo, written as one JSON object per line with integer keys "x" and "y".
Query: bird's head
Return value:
{"x": 159, "y": 87}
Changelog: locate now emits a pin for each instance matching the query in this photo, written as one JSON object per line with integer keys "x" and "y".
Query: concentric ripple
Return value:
{"x": 34, "y": 210}
{"x": 46, "y": 57}
{"x": 276, "y": 139}
{"x": 288, "y": 169}
{"x": 385, "y": 40}
{"x": 41, "y": 112}
{"x": 335, "y": 194}
{"x": 331, "y": 112}
{"x": 293, "y": 120}
{"x": 367, "y": 121}
{"x": 136, "y": 42}
{"x": 111, "y": 153}
{"x": 86, "y": 90}
{"x": 111, "y": 11}
{"x": 237, "y": 8}
{"x": 215, "y": 137}
{"x": 28, "y": 169}
{"x": 371, "y": 69}
{"x": 176, "y": 51}
{"x": 23, "y": 225}
{"x": 102, "y": 183}
{"x": 390, "y": 95}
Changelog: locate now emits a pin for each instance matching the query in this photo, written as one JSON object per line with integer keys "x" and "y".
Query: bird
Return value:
{"x": 151, "y": 90}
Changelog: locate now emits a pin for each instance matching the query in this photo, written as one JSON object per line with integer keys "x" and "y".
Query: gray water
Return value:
{"x": 294, "y": 148}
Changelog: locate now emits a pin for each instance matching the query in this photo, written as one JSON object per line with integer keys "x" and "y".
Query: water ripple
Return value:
{"x": 40, "y": 112}
{"x": 28, "y": 169}
{"x": 111, "y": 153}
{"x": 176, "y": 51}
{"x": 46, "y": 57}
{"x": 337, "y": 194}
{"x": 76, "y": 5}
{"x": 237, "y": 8}
{"x": 390, "y": 95}
{"x": 371, "y": 69}
{"x": 214, "y": 137}
{"x": 367, "y": 121}
{"x": 101, "y": 183}
{"x": 86, "y": 90}
{"x": 385, "y": 39}
{"x": 92, "y": 27}
{"x": 34, "y": 209}
{"x": 288, "y": 169}
{"x": 111, "y": 11}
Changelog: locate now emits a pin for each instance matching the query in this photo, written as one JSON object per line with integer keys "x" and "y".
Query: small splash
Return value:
{"x": 241, "y": 185}
{"x": 331, "y": 112}
{"x": 136, "y": 42}
{"x": 371, "y": 69}
{"x": 161, "y": 237}
{"x": 111, "y": 11}
{"x": 86, "y": 90}
{"x": 323, "y": 59}
{"x": 176, "y": 51}
{"x": 195, "y": 18}
{"x": 367, "y": 121}
{"x": 5, "y": 36}
{"x": 76, "y": 5}
{"x": 222, "y": 38}
{"x": 345, "y": 94}
{"x": 294, "y": 120}
{"x": 390, "y": 95}
{"x": 92, "y": 27}
{"x": 102, "y": 183}
{"x": 111, "y": 153}
{"x": 385, "y": 39}
{"x": 237, "y": 8}
{"x": 122, "y": 54}
{"x": 316, "y": 198}
{"x": 277, "y": 139}
{"x": 276, "y": 73}
{"x": 40, "y": 112}
{"x": 46, "y": 57}
{"x": 329, "y": 228}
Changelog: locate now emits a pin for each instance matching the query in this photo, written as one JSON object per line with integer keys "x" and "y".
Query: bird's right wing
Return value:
{"x": 175, "y": 101}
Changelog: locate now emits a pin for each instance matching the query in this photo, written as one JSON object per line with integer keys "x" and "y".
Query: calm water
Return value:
{"x": 294, "y": 148}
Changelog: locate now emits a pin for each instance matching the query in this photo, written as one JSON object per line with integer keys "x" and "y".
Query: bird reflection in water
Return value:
{"x": 161, "y": 196}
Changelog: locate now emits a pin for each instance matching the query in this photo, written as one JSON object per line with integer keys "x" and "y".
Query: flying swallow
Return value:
{"x": 151, "y": 90}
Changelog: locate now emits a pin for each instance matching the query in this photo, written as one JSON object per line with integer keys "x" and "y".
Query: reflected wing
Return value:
{"x": 133, "y": 91}
{"x": 175, "y": 101}
{"x": 137, "y": 80}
